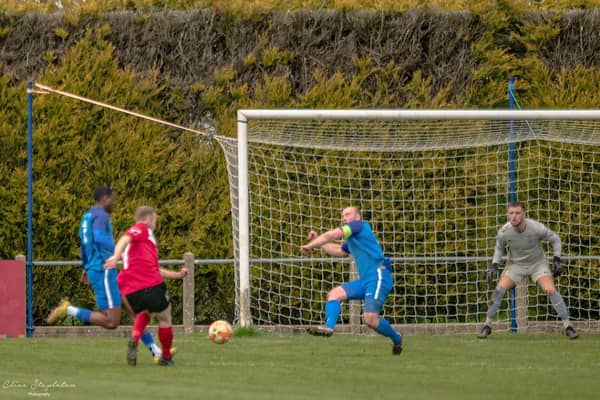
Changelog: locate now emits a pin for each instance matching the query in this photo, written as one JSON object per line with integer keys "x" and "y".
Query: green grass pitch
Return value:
{"x": 298, "y": 366}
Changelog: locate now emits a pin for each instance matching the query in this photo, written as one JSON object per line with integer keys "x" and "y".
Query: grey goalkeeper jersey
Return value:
{"x": 524, "y": 248}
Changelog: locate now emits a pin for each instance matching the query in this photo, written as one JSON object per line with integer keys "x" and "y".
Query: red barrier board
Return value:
{"x": 12, "y": 298}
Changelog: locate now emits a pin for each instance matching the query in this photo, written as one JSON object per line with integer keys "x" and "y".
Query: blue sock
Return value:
{"x": 147, "y": 339}
{"x": 332, "y": 312}
{"x": 384, "y": 328}
{"x": 84, "y": 314}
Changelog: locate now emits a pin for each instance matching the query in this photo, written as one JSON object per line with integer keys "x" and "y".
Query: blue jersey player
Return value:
{"x": 97, "y": 245}
{"x": 374, "y": 271}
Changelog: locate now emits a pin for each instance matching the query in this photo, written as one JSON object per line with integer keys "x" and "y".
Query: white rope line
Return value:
{"x": 48, "y": 89}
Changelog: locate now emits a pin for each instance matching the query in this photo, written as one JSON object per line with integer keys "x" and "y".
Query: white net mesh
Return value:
{"x": 435, "y": 193}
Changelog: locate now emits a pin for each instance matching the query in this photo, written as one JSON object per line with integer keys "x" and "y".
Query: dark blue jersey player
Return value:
{"x": 374, "y": 272}
{"x": 97, "y": 245}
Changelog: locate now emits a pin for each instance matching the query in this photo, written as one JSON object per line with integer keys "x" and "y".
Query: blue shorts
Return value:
{"x": 374, "y": 289}
{"x": 105, "y": 287}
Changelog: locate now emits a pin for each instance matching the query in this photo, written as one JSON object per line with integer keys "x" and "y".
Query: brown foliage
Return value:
{"x": 578, "y": 42}
{"x": 188, "y": 46}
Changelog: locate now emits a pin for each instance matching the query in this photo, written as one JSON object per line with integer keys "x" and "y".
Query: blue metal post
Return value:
{"x": 512, "y": 184}
{"x": 29, "y": 267}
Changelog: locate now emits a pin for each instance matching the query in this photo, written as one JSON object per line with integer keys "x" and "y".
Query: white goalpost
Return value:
{"x": 435, "y": 185}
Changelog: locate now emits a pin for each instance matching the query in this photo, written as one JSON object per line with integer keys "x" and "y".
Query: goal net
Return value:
{"x": 435, "y": 187}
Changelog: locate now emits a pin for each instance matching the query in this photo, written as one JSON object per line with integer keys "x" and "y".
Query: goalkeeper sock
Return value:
{"x": 332, "y": 312}
{"x": 495, "y": 302}
{"x": 148, "y": 341}
{"x": 385, "y": 328}
{"x": 561, "y": 308}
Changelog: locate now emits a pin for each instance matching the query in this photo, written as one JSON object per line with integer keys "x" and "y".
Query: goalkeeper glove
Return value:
{"x": 491, "y": 272}
{"x": 556, "y": 267}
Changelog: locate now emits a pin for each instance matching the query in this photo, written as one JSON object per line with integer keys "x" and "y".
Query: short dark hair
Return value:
{"x": 517, "y": 204}
{"x": 102, "y": 191}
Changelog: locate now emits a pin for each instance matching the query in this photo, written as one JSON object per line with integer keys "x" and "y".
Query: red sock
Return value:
{"x": 139, "y": 325}
{"x": 165, "y": 335}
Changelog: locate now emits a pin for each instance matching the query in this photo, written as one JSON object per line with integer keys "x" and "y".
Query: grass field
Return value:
{"x": 298, "y": 366}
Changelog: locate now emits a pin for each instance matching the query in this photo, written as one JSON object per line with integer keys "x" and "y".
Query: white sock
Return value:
{"x": 156, "y": 351}
{"x": 72, "y": 311}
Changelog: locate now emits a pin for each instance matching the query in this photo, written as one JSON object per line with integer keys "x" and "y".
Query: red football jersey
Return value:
{"x": 140, "y": 261}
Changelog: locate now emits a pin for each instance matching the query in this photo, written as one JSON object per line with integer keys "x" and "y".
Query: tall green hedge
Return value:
{"x": 197, "y": 67}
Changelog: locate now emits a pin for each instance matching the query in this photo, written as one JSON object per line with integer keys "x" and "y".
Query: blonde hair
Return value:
{"x": 144, "y": 212}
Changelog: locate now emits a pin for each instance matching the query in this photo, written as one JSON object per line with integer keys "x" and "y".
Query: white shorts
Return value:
{"x": 517, "y": 272}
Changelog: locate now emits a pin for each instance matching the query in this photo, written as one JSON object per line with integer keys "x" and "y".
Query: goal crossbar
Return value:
{"x": 386, "y": 115}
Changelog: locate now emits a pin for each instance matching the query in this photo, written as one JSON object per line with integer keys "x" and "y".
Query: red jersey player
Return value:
{"x": 142, "y": 284}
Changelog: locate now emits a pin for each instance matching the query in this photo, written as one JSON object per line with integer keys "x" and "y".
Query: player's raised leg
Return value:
{"x": 58, "y": 312}
{"x": 332, "y": 312}
{"x": 108, "y": 301}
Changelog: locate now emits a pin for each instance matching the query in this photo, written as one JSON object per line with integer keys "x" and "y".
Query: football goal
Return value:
{"x": 435, "y": 185}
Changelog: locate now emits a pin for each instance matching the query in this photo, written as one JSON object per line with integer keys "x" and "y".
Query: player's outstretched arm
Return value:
{"x": 334, "y": 249}
{"x": 167, "y": 273}
{"x": 323, "y": 241}
{"x": 111, "y": 262}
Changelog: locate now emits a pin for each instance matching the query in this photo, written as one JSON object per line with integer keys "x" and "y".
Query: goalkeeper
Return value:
{"x": 521, "y": 237}
{"x": 374, "y": 271}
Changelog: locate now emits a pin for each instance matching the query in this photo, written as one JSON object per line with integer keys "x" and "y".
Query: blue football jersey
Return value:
{"x": 96, "y": 236}
{"x": 360, "y": 241}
